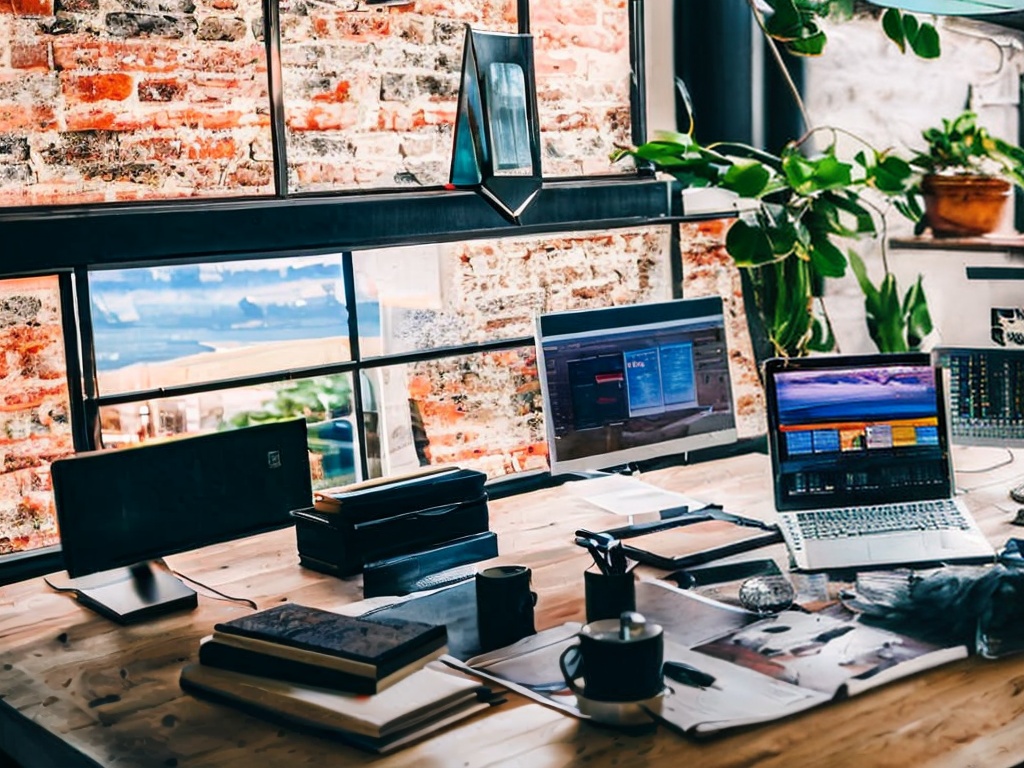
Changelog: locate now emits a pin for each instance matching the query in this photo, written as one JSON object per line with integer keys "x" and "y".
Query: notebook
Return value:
{"x": 861, "y": 466}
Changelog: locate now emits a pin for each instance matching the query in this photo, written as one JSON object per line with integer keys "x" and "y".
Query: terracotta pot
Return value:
{"x": 964, "y": 206}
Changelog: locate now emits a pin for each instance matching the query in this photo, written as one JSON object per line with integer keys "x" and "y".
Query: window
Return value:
{"x": 34, "y": 411}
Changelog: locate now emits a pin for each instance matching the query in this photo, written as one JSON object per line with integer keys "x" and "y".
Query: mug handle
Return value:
{"x": 570, "y": 676}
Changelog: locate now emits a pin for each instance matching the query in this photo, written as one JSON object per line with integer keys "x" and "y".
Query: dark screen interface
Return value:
{"x": 616, "y": 389}
{"x": 859, "y": 434}
{"x": 986, "y": 393}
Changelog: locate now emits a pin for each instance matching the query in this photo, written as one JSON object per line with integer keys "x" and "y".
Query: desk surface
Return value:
{"x": 77, "y": 689}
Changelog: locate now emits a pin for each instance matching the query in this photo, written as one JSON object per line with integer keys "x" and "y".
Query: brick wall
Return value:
{"x": 485, "y": 411}
{"x": 34, "y": 423}
{"x": 110, "y": 100}
{"x": 104, "y": 101}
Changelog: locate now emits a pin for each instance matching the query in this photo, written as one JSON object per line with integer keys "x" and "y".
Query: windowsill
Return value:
{"x": 996, "y": 243}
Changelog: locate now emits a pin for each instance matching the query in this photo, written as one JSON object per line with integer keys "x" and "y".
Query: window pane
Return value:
{"x": 581, "y": 52}
{"x": 483, "y": 290}
{"x": 481, "y": 411}
{"x": 325, "y": 402}
{"x": 370, "y": 93}
{"x": 104, "y": 103}
{"x": 708, "y": 270}
{"x": 167, "y": 326}
{"x": 34, "y": 411}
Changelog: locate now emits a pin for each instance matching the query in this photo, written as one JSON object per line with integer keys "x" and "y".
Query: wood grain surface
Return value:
{"x": 78, "y": 689}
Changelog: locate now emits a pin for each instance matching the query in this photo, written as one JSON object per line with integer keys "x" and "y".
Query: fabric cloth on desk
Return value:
{"x": 979, "y": 606}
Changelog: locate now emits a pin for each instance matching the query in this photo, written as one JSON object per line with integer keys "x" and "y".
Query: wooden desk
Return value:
{"x": 79, "y": 690}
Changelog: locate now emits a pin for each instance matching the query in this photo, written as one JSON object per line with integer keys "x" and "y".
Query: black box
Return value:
{"x": 380, "y": 520}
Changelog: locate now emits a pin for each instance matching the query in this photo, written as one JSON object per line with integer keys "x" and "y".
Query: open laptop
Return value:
{"x": 861, "y": 463}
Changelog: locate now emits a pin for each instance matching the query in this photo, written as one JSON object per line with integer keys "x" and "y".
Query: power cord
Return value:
{"x": 1008, "y": 460}
{"x": 217, "y": 594}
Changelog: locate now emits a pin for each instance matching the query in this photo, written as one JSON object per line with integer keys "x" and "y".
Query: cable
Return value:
{"x": 217, "y": 594}
{"x": 1008, "y": 460}
{"x": 55, "y": 588}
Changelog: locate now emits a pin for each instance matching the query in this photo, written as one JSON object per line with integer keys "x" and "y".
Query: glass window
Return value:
{"x": 370, "y": 90}
{"x": 170, "y": 326}
{"x": 324, "y": 401}
{"x": 105, "y": 104}
{"x": 581, "y": 53}
{"x": 481, "y": 411}
{"x": 485, "y": 290}
{"x": 34, "y": 411}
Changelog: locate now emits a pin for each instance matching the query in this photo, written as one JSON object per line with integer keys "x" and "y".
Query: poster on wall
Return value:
{"x": 1008, "y": 326}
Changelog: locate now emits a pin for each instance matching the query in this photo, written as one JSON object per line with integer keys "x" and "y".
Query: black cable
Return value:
{"x": 217, "y": 594}
{"x": 55, "y": 588}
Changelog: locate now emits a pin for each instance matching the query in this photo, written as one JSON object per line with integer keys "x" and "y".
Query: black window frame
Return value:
{"x": 78, "y": 238}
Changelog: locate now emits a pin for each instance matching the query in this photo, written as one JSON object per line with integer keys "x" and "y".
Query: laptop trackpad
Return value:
{"x": 895, "y": 549}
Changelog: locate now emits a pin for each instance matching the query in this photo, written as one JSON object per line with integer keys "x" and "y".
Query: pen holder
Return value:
{"x": 607, "y": 595}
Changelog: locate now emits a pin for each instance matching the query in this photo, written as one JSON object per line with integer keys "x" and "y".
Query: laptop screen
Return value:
{"x": 853, "y": 430}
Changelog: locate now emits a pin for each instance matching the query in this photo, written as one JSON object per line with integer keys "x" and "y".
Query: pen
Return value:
{"x": 595, "y": 553}
{"x": 687, "y": 675}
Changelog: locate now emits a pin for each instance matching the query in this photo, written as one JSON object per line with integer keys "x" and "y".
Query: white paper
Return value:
{"x": 629, "y": 496}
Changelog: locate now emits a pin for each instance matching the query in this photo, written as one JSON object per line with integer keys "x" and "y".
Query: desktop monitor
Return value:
{"x": 632, "y": 383}
{"x": 985, "y": 394}
{"x": 118, "y": 510}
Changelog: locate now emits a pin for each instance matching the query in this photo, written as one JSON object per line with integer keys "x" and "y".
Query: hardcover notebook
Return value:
{"x": 372, "y": 649}
{"x": 861, "y": 465}
{"x": 423, "y": 703}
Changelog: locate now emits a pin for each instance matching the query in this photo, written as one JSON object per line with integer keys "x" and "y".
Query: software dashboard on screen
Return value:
{"x": 626, "y": 384}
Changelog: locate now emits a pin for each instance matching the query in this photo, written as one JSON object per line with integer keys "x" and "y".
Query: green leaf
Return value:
{"x": 748, "y": 245}
{"x": 746, "y": 178}
{"x": 827, "y": 259}
{"x": 926, "y": 43}
{"x": 892, "y": 25}
{"x": 785, "y": 22}
{"x": 812, "y": 45}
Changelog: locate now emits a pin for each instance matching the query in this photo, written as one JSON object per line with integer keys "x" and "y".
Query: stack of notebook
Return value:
{"x": 372, "y": 683}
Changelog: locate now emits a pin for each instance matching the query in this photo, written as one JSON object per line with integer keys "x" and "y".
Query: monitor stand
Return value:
{"x": 133, "y": 594}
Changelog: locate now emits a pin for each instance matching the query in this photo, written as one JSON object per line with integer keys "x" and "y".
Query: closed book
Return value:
{"x": 360, "y": 646}
{"x": 425, "y": 701}
{"x": 300, "y": 666}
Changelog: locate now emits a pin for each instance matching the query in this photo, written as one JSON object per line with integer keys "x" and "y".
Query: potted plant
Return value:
{"x": 967, "y": 177}
{"x": 792, "y": 239}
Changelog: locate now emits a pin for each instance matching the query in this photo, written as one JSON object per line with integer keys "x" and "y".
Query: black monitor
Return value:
{"x": 118, "y": 510}
{"x": 985, "y": 390}
{"x": 632, "y": 383}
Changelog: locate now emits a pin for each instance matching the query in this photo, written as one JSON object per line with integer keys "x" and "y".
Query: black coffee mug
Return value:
{"x": 608, "y": 595}
{"x": 504, "y": 605}
{"x": 618, "y": 660}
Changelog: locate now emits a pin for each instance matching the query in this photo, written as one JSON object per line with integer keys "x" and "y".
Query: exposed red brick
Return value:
{"x": 21, "y": 117}
{"x": 227, "y": 89}
{"x": 85, "y": 52}
{"x": 209, "y": 149}
{"x": 27, "y": 7}
{"x": 225, "y": 5}
{"x": 34, "y": 55}
{"x": 345, "y": 25}
{"x": 321, "y": 117}
{"x": 91, "y": 88}
{"x": 102, "y": 120}
{"x": 558, "y": 63}
{"x": 162, "y": 90}
{"x": 339, "y": 94}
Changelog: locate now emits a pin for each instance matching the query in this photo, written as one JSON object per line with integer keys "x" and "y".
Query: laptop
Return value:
{"x": 861, "y": 465}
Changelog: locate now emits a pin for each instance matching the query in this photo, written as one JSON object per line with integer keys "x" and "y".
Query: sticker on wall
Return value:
{"x": 1008, "y": 326}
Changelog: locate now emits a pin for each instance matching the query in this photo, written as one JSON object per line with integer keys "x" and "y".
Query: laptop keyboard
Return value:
{"x": 934, "y": 515}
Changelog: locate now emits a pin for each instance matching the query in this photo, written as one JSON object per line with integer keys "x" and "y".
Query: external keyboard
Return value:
{"x": 935, "y": 515}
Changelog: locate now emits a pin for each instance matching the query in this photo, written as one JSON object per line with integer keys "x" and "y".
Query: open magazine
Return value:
{"x": 764, "y": 669}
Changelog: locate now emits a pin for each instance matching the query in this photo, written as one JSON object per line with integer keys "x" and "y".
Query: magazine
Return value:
{"x": 762, "y": 669}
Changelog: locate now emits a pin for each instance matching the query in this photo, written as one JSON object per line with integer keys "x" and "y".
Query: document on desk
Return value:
{"x": 630, "y": 496}
{"x": 761, "y": 668}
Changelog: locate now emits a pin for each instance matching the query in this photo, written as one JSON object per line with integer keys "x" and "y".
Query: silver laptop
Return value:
{"x": 861, "y": 464}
